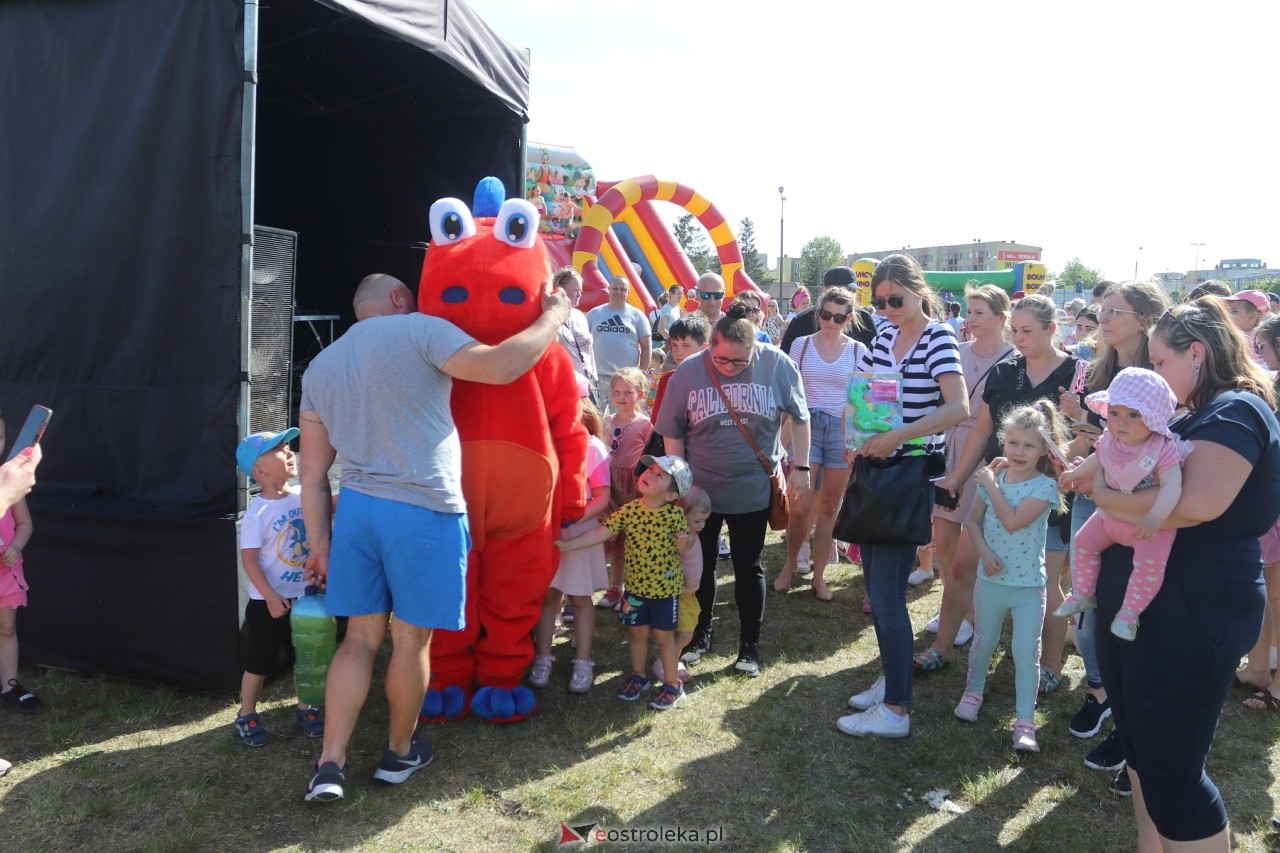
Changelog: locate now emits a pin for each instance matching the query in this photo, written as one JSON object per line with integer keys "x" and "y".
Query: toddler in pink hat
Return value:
{"x": 1137, "y": 451}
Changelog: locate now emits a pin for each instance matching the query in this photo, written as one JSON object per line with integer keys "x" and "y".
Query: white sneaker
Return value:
{"x": 802, "y": 560}
{"x": 876, "y": 722}
{"x": 868, "y": 698}
{"x": 932, "y": 625}
{"x": 724, "y": 548}
{"x": 918, "y": 577}
{"x": 965, "y": 634}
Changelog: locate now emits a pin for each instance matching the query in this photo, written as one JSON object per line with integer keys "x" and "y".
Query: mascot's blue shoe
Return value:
{"x": 443, "y": 706}
{"x": 500, "y": 705}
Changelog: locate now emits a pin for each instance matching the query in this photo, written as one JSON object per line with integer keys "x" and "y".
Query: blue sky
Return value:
{"x": 1089, "y": 129}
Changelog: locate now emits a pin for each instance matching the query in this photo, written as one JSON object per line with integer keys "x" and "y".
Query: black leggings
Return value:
{"x": 1168, "y": 686}
{"x": 746, "y": 537}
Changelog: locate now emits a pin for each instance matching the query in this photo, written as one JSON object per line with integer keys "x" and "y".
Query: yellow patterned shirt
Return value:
{"x": 653, "y": 562}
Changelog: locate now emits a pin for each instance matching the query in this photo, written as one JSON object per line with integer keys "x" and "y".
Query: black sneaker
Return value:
{"x": 1108, "y": 755}
{"x": 1088, "y": 720}
{"x": 748, "y": 662}
{"x": 396, "y": 768}
{"x": 20, "y": 698}
{"x": 1121, "y": 786}
{"x": 326, "y": 783}
{"x": 698, "y": 646}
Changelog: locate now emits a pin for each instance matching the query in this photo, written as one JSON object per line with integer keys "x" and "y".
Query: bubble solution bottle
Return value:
{"x": 314, "y": 642}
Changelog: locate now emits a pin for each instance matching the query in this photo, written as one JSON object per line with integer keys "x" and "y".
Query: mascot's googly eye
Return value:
{"x": 517, "y": 224}
{"x": 451, "y": 222}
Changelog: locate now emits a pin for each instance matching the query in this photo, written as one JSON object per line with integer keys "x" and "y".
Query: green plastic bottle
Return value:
{"x": 314, "y": 642}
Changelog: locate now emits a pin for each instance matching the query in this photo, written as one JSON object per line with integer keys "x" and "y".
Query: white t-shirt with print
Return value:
{"x": 276, "y": 529}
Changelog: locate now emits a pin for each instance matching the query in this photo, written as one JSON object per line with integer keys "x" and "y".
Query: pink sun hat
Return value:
{"x": 1256, "y": 298}
{"x": 1140, "y": 389}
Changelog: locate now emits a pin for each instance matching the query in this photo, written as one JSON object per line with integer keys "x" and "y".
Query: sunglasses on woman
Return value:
{"x": 895, "y": 302}
{"x": 834, "y": 317}
{"x": 1110, "y": 313}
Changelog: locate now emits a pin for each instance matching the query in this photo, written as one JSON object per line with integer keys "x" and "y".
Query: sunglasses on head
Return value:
{"x": 838, "y": 318}
{"x": 710, "y": 294}
{"x": 895, "y": 302}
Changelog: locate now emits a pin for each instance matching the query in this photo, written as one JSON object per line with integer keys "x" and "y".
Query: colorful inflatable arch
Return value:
{"x": 621, "y": 233}
{"x": 1026, "y": 276}
{"x": 625, "y": 213}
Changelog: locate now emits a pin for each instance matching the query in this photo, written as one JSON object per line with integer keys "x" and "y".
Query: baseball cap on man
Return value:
{"x": 1256, "y": 298}
{"x": 838, "y": 276}
{"x": 681, "y": 476}
{"x": 253, "y": 446}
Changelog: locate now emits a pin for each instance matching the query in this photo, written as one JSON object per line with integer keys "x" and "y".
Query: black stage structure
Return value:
{"x": 143, "y": 140}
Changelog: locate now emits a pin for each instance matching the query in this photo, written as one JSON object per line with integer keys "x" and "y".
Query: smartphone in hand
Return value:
{"x": 31, "y": 430}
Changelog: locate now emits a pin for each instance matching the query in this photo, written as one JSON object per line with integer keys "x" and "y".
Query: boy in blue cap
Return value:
{"x": 273, "y": 548}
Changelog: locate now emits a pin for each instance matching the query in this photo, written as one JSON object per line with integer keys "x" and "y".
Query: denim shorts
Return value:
{"x": 1053, "y": 543}
{"x": 661, "y": 614}
{"x": 390, "y": 556}
{"x": 826, "y": 440}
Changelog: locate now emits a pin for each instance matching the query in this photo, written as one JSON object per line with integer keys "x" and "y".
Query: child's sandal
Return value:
{"x": 1049, "y": 681}
{"x": 310, "y": 721}
{"x": 250, "y": 731}
{"x": 929, "y": 660}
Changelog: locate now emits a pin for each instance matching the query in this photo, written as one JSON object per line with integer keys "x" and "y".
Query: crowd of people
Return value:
{"x": 1065, "y": 441}
{"x": 1070, "y": 436}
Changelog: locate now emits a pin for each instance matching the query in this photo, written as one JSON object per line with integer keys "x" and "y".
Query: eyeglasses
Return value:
{"x": 895, "y": 302}
{"x": 840, "y": 318}
{"x": 710, "y": 294}
{"x": 1110, "y": 313}
{"x": 617, "y": 433}
{"x": 725, "y": 362}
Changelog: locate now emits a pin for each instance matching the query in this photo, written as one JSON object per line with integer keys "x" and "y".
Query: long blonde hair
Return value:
{"x": 1149, "y": 301}
{"x": 1042, "y": 418}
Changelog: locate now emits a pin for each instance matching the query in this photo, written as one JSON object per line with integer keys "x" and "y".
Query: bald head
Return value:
{"x": 380, "y": 295}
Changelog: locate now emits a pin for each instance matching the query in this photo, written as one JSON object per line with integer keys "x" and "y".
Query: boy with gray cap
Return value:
{"x": 657, "y": 532}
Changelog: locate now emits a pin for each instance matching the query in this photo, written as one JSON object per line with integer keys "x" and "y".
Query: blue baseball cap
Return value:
{"x": 253, "y": 446}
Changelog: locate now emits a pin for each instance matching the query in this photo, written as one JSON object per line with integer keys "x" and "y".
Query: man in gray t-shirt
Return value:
{"x": 620, "y": 333}
{"x": 379, "y": 396}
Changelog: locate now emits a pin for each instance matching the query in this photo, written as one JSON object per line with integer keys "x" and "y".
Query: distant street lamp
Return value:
{"x": 1196, "y": 270}
{"x": 782, "y": 230}
{"x": 1135, "y": 263}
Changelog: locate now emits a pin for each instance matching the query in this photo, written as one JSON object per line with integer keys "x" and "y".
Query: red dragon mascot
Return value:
{"x": 524, "y": 452}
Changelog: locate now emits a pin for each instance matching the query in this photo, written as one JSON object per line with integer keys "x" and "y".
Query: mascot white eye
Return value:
{"x": 451, "y": 222}
{"x": 517, "y": 224}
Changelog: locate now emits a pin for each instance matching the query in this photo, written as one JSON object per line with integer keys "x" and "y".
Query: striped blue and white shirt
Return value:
{"x": 936, "y": 354}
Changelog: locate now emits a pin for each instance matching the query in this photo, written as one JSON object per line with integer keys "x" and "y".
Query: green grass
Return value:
{"x": 109, "y": 765}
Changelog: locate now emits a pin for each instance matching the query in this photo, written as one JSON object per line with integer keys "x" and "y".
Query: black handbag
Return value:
{"x": 888, "y": 502}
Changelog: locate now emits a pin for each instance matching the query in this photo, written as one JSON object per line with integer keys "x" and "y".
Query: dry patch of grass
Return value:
{"x": 109, "y": 765}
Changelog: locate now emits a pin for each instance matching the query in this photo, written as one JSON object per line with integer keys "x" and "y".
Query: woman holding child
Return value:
{"x": 1167, "y": 686}
{"x": 758, "y": 384}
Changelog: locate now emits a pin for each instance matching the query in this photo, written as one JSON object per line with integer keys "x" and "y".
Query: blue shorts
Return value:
{"x": 826, "y": 440}
{"x": 389, "y": 556}
{"x": 660, "y": 614}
